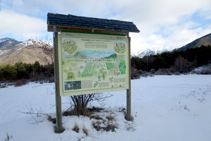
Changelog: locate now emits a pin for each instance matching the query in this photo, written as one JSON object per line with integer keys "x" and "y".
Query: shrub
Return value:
{"x": 20, "y": 82}
{"x": 80, "y": 102}
{"x": 134, "y": 73}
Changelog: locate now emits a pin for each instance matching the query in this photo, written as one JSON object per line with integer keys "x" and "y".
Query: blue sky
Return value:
{"x": 164, "y": 24}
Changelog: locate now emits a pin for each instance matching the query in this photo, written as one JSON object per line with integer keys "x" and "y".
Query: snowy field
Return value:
{"x": 164, "y": 108}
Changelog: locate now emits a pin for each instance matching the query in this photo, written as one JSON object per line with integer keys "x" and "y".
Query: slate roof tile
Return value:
{"x": 88, "y": 22}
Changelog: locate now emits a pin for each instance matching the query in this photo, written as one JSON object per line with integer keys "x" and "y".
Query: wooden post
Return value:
{"x": 128, "y": 116}
{"x": 58, "y": 128}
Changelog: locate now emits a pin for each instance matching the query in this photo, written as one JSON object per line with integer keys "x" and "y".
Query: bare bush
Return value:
{"x": 20, "y": 82}
{"x": 80, "y": 103}
{"x": 135, "y": 73}
{"x": 168, "y": 71}
{"x": 182, "y": 65}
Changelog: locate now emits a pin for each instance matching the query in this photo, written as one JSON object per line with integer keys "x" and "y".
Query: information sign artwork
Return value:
{"x": 92, "y": 63}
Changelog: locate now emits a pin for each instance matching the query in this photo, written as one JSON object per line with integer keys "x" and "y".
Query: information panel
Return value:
{"x": 92, "y": 63}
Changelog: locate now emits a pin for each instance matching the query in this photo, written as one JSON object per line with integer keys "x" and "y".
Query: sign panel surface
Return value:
{"x": 92, "y": 63}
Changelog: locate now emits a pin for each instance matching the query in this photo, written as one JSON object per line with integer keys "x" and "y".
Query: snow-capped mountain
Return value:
{"x": 32, "y": 42}
{"x": 7, "y": 42}
{"x": 147, "y": 52}
{"x": 28, "y": 52}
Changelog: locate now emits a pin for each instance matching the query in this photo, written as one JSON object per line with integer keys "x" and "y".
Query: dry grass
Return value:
{"x": 96, "y": 125}
{"x": 85, "y": 131}
{"x": 110, "y": 127}
{"x": 53, "y": 120}
{"x": 110, "y": 117}
{"x": 123, "y": 110}
{"x": 105, "y": 124}
{"x": 76, "y": 128}
{"x": 97, "y": 117}
{"x": 86, "y": 112}
{"x": 100, "y": 122}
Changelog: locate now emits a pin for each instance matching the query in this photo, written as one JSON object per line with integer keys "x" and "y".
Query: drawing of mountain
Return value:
{"x": 80, "y": 55}
{"x": 112, "y": 56}
{"x": 96, "y": 55}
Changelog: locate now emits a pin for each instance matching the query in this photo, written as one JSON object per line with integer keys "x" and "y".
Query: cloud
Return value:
{"x": 163, "y": 23}
{"x": 21, "y": 25}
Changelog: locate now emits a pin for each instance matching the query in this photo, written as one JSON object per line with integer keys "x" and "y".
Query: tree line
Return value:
{"x": 21, "y": 70}
{"x": 178, "y": 61}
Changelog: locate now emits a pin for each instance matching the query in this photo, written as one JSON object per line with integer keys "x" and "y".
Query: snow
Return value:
{"x": 149, "y": 52}
{"x": 35, "y": 43}
{"x": 206, "y": 69}
{"x": 164, "y": 108}
{"x": 3, "y": 40}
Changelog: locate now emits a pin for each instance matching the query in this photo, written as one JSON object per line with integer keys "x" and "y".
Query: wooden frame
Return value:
{"x": 56, "y": 29}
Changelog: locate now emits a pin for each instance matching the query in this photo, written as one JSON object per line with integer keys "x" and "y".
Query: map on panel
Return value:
{"x": 93, "y": 62}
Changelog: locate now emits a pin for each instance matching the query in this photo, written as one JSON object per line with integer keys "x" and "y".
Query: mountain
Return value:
{"x": 147, "y": 52}
{"x": 27, "y": 52}
{"x": 205, "y": 40}
{"x": 112, "y": 56}
{"x": 79, "y": 55}
{"x": 7, "y": 42}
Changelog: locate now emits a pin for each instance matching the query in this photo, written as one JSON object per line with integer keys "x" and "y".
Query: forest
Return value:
{"x": 24, "y": 72}
{"x": 176, "y": 62}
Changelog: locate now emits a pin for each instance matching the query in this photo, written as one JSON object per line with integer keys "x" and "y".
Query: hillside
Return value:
{"x": 205, "y": 40}
{"x": 7, "y": 42}
{"x": 27, "y": 52}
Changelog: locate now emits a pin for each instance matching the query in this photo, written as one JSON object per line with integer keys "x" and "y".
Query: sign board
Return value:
{"x": 92, "y": 63}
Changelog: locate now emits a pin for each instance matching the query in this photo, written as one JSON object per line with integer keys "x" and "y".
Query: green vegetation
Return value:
{"x": 26, "y": 71}
{"x": 122, "y": 67}
{"x": 103, "y": 72}
{"x": 177, "y": 61}
{"x": 110, "y": 66}
{"x": 95, "y": 84}
{"x": 88, "y": 71}
{"x": 111, "y": 57}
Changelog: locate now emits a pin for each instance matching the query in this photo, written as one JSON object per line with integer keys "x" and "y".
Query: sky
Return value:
{"x": 163, "y": 24}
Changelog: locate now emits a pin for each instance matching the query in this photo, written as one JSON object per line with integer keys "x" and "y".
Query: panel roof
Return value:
{"x": 92, "y": 23}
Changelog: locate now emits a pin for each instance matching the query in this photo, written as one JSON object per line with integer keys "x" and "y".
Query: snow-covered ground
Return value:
{"x": 164, "y": 108}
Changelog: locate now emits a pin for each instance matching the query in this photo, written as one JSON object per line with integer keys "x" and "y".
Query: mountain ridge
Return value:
{"x": 204, "y": 40}
{"x": 27, "y": 52}
{"x": 7, "y": 42}
{"x": 147, "y": 52}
